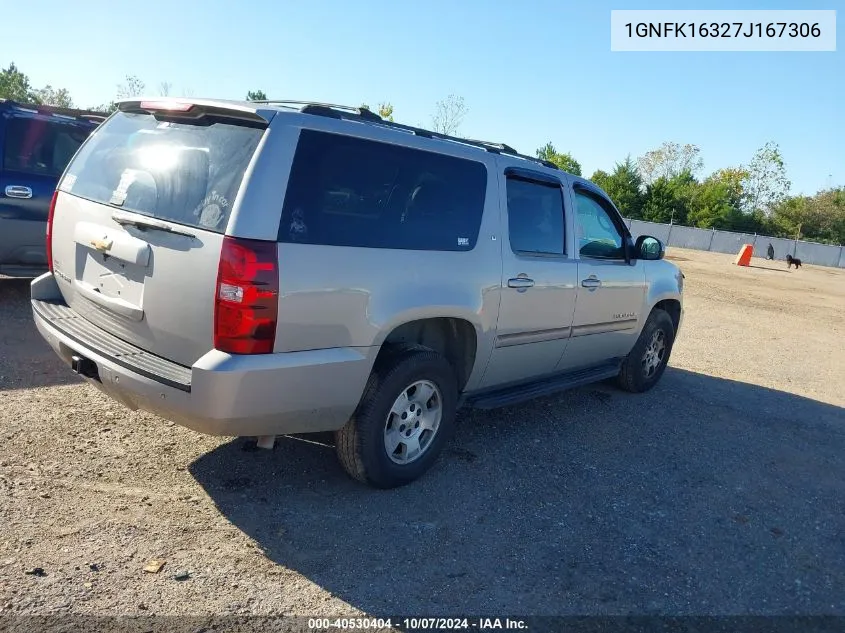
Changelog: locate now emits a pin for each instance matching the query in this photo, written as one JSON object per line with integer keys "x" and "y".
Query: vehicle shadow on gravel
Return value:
{"x": 26, "y": 360}
{"x": 702, "y": 496}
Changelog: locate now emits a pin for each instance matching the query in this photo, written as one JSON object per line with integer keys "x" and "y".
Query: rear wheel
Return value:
{"x": 406, "y": 415}
{"x": 647, "y": 361}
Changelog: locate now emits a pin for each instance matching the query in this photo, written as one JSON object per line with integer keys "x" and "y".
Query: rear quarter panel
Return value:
{"x": 333, "y": 296}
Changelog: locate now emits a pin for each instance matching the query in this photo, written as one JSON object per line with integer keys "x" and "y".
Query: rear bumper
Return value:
{"x": 221, "y": 394}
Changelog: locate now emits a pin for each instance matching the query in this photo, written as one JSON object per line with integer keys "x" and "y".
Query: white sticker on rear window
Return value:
{"x": 68, "y": 182}
{"x": 211, "y": 215}
{"x": 211, "y": 210}
{"x": 118, "y": 196}
{"x": 298, "y": 228}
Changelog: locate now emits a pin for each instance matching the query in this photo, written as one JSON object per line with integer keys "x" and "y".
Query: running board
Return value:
{"x": 507, "y": 396}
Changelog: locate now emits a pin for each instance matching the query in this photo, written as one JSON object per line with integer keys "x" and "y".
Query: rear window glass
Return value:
{"x": 346, "y": 191}
{"x": 39, "y": 146}
{"x": 182, "y": 172}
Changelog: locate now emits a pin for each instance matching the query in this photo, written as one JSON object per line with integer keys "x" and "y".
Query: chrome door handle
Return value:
{"x": 592, "y": 283}
{"x": 18, "y": 191}
{"x": 520, "y": 282}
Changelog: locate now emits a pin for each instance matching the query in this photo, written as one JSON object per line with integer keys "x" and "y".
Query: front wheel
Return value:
{"x": 648, "y": 359}
{"x": 405, "y": 416}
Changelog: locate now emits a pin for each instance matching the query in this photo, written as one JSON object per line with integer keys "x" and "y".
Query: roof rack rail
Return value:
{"x": 358, "y": 113}
{"x": 303, "y": 102}
{"x": 497, "y": 148}
{"x": 504, "y": 148}
{"x": 321, "y": 109}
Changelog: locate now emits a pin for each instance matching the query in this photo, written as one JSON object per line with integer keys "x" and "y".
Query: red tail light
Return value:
{"x": 246, "y": 305}
{"x": 50, "y": 231}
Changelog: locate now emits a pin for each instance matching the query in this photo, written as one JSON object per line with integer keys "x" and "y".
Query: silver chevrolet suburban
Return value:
{"x": 266, "y": 268}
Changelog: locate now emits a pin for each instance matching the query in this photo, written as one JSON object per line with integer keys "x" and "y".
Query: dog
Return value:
{"x": 792, "y": 261}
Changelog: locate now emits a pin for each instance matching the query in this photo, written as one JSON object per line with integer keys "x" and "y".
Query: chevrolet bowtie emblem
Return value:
{"x": 102, "y": 245}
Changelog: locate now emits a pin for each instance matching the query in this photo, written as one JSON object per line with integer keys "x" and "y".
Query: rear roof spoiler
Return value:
{"x": 195, "y": 109}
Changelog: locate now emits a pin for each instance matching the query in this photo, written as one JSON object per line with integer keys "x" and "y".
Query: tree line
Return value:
{"x": 666, "y": 185}
{"x": 663, "y": 185}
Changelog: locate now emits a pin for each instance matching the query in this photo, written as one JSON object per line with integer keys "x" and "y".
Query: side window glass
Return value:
{"x": 347, "y": 191}
{"x": 535, "y": 217}
{"x": 597, "y": 234}
{"x": 37, "y": 147}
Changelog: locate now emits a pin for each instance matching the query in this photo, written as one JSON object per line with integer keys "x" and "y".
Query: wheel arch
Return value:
{"x": 455, "y": 338}
{"x": 672, "y": 306}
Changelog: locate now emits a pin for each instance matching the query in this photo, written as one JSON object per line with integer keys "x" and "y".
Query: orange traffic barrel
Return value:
{"x": 744, "y": 257}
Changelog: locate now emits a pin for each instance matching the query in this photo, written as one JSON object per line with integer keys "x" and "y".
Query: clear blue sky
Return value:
{"x": 530, "y": 71}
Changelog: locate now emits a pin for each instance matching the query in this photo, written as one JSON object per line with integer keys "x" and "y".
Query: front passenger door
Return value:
{"x": 611, "y": 290}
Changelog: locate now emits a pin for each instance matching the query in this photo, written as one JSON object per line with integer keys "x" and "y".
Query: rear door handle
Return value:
{"x": 592, "y": 283}
{"x": 18, "y": 191}
{"x": 520, "y": 282}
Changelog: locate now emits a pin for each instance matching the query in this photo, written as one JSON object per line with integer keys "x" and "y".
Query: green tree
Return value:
{"x": 669, "y": 160}
{"x": 668, "y": 199}
{"x": 385, "y": 111}
{"x": 15, "y": 85}
{"x": 766, "y": 184}
{"x": 819, "y": 218}
{"x": 733, "y": 179}
{"x": 625, "y": 188}
{"x": 710, "y": 206}
{"x": 256, "y": 95}
{"x": 601, "y": 178}
{"x": 106, "y": 108}
{"x": 132, "y": 87}
{"x": 717, "y": 201}
{"x": 448, "y": 115}
{"x": 564, "y": 161}
{"x": 58, "y": 97}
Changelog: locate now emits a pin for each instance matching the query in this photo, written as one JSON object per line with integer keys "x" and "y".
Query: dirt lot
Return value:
{"x": 722, "y": 491}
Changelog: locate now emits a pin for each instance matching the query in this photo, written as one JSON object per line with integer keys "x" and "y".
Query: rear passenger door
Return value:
{"x": 538, "y": 280}
{"x": 611, "y": 290}
{"x": 35, "y": 151}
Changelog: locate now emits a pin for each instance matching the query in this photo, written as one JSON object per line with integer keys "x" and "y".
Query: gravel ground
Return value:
{"x": 721, "y": 491}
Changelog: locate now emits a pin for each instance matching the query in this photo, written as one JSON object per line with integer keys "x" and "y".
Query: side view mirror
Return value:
{"x": 647, "y": 247}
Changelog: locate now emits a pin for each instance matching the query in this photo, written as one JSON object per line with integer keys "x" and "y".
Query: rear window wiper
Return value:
{"x": 145, "y": 223}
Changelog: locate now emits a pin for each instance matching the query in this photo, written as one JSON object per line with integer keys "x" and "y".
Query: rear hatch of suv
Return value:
{"x": 139, "y": 219}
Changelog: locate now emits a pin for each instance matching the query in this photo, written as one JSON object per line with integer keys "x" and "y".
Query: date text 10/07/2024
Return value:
{"x": 723, "y": 29}
{"x": 418, "y": 624}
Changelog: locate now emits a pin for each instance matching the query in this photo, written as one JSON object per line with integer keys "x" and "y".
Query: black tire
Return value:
{"x": 360, "y": 444}
{"x": 633, "y": 377}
